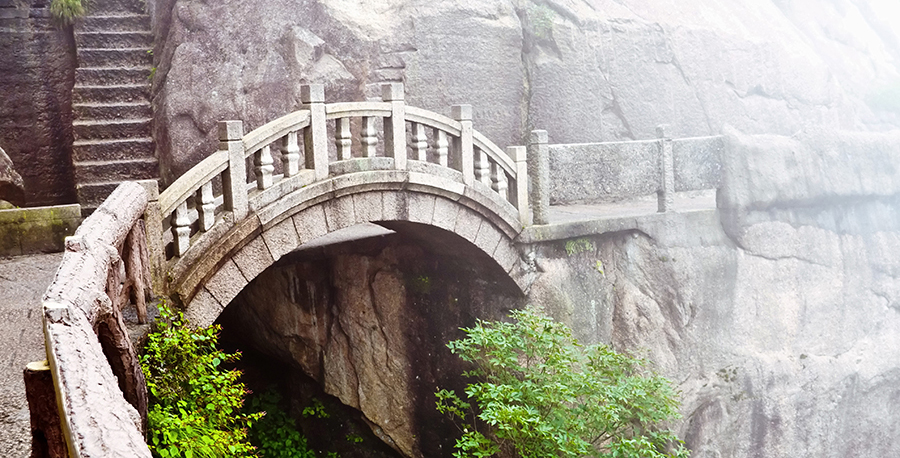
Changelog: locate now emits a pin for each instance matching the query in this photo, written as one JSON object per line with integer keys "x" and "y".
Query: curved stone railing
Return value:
{"x": 365, "y": 136}
{"x": 90, "y": 357}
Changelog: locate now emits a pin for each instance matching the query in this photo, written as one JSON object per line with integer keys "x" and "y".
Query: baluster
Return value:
{"x": 441, "y": 147}
{"x": 369, "y": 136}
{"x": 482, "y": 167}
{"x": 498, "y": 181}
{"x": 290, "y": 155}
{"x": 181, "y": 228}
{"x": 342, "y": 138}
{"x": 419, "y": 142}
{"x": 262, "y": 161}
{"x": 207, "y": 207}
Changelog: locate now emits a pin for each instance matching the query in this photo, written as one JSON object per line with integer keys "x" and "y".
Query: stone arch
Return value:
{"x": 224, "y": 268}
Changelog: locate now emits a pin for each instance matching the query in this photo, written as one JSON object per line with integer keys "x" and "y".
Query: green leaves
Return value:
{"x": 541, "y": 393}
{"x": 195, "y": 404}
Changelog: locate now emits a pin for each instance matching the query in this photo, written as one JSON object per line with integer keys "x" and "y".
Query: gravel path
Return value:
{"x": 23, "y": 280}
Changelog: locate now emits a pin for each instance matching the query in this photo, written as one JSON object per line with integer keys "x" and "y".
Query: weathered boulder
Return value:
{"x": 12, "y": 188}
{"x": 584, "y": 71}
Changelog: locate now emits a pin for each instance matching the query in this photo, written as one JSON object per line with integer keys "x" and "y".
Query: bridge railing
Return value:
{"x": 607, "y": 172}
{"x": 319, "y": 141}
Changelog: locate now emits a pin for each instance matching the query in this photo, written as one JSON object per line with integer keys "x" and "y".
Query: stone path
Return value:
{"x": 111, "y": 99}
{"x": 23, "y": 280}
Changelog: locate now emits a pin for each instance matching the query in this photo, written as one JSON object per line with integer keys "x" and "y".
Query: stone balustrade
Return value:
{"x": 596, "y": 173}
{"x": 294, "y": 151}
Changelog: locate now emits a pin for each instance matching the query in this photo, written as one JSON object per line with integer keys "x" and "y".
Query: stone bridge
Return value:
{"x": 316, "y": 171}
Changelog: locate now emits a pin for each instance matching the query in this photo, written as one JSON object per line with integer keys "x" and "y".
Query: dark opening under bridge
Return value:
{"x": 211, "y": 232}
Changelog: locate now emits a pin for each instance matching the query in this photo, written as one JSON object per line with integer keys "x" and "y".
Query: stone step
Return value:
{"x": 115, "y": 23}
{"x": 95, "y": 7}
{"x": 111, "y": 111}
{"x": 111, "y": 93}
{"x": 112, "y": 149}
{"x": 122, "y": 57}
{"x": 116, "y": 171}
{"x": 114, "y": 39}
{"x": 105, "y": 129}
{"x": 94, "y": 76}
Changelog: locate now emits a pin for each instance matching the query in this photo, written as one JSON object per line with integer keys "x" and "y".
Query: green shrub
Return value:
{"x": 540, "y": 394}
{"x": 276, "y": 435}
{"x": 66, "y": 11}
{"x": 195, "y": 404}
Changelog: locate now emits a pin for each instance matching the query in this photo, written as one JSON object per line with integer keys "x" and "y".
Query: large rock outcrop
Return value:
{"x": 780, "y": 326}
{"x": 584, "y": 71}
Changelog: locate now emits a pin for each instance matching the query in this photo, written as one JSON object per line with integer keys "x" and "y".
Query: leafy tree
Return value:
{"x": 276, "y": 435}
{"x": 196, "y": 404}
{"x": 541, "y": 394}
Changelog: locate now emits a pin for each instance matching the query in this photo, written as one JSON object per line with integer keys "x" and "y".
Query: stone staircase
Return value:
{"x": 111, "y": 99}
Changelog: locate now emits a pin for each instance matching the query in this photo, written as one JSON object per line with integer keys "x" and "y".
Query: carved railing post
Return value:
{"x": 420, "y": 142}
{"x": 441, "y": 148}
{"x": 342, "y": 139}
{"x": 234, "y": 179}
{"x": 539, "y": 175}
{"x": 518, "y": 192}
{"x": 315, "y": 136}
{"x": 290, "y": 155}
{"x": 154, "y": 229}
{"x": 395, "y": 127}
{"x": 464, "y": 156}
{"x": 665, "y": 195}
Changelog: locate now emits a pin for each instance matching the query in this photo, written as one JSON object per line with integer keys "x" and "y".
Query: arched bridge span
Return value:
{"x": 386, "y": 162}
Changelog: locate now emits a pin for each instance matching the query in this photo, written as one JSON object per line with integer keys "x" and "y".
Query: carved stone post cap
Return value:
{"x": 661, "y": 131}
{"x": 230, "y": 130}
{"x": 538, "y": 137}
{"x": 517, "y": 153}
{"x": 312, "y": 93}
{"x": 391, "y": 92}
{"x": 461, "y": 112}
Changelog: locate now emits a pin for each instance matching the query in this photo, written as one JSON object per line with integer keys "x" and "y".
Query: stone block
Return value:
{"x": 296, "y": 201}
{"x": 203, "y": 309}
{"x": 394, "y": 206}
{"x": 339, "y": 213}
{"x": 226, "y": 283}
{"x": 488, "y": 237}
{"x": 421, "y": 208}
{"x": 281, "y": 238}
{"x": 311, "y": 223}
{"x": 467, "y": 224}
{"x": 367, "y": 207}
{"x": 253, "y": 258}
{"x": 445, "y": 213}
{"x": 506, "y": 254}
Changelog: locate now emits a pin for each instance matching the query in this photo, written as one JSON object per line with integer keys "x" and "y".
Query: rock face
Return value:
{"x": 12, "y": 188}
{"x": 779, "y": 326}
{"x": 36, "y": 100}
{"x": 584, "y": 71}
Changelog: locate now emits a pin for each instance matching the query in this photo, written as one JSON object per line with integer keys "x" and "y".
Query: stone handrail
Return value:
{"x": 611, "y": 171}
{"x": 216, "y": 191}
{"x": 90, "y": 357}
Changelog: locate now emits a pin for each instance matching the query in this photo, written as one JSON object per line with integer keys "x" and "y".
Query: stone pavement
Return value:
{"x": 23, "y": 280}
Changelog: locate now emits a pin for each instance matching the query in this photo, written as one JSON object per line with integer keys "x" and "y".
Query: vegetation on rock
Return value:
{"x": 538, "y": 393}
{"x": 66, "y": 11}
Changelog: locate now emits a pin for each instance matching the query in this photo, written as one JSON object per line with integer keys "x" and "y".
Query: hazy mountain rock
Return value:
{"x": 12, "y": 188}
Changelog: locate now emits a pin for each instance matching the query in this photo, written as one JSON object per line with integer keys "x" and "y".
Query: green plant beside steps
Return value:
{"x": 66, "y": 11}
{"x": 538, "y": 393}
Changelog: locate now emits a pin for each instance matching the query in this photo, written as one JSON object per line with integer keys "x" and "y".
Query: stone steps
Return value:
{"x": 114, "y": 40}
{"x": 117, "y": 93}
{"x": 115, "y": 23}
{"x": 110, "y": 111}
{"x": 88, "y": 76}
{"x": 110, "y": 149}
{"x": 111, "y": 105}
{"x": 110, "y": 129}
{"x": 100, "y": 171}
{"x": 119, "y": 57}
